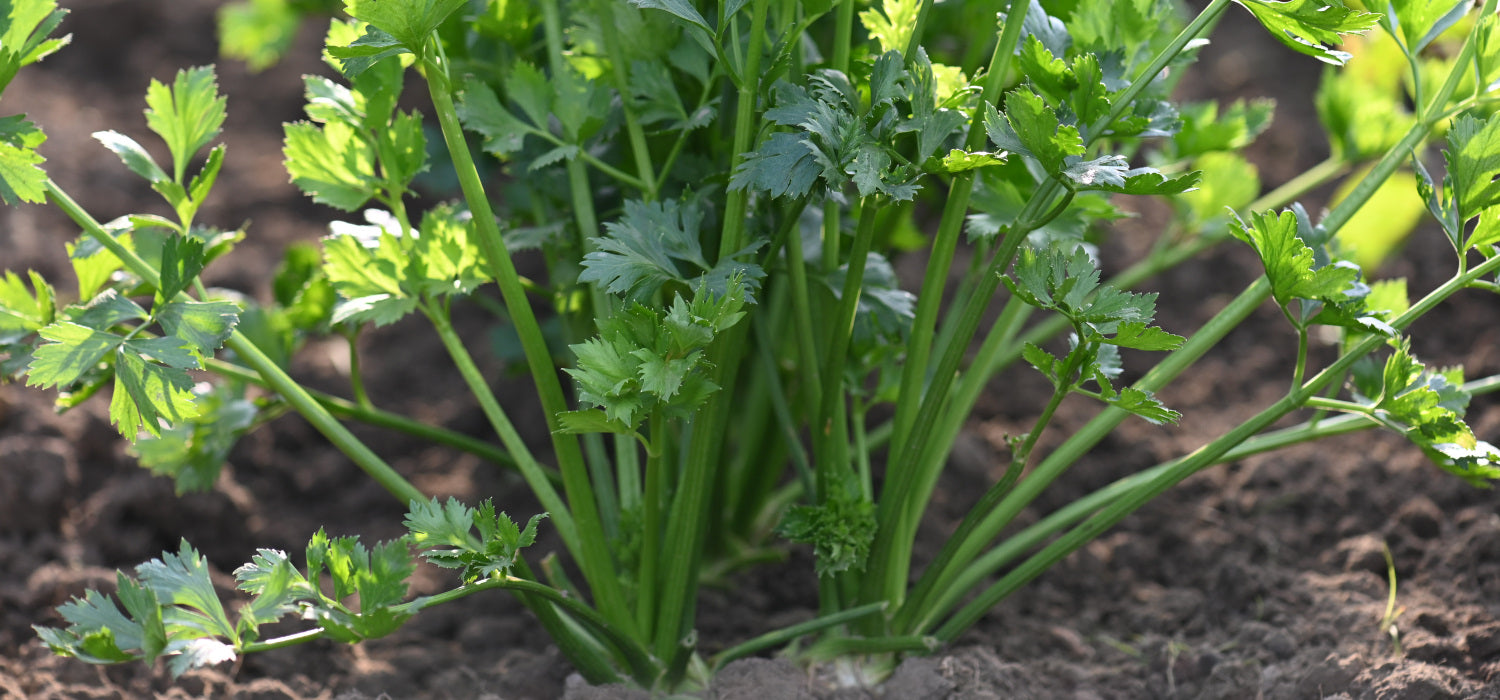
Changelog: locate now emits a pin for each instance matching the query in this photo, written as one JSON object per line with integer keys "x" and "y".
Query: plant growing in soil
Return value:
{"x": 739, "y": 365}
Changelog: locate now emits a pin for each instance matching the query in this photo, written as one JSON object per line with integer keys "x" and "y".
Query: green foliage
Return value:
{"x": 1311, "y": 27}
{"x": 1103, "y": 319}
{"x": 644, "y": 360}
{"x": 21, "y": 177}
{"x": 1427, "y": 407}
{"x": 478, "y": 541}
{"x": 1469, "y": 188}
{"x": 656, "y": 244}
{"x": 709, "y": 210}
{"x": 840, "y": 140}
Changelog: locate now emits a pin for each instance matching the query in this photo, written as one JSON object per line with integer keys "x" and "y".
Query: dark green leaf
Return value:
{"x": 698, "y": 27}
{"x": 181, "y": 580}
{"x": 840, "y": 531}
{"x": 72, "y": 350}
{"x": 147, "y": 395}
{"x": 785, "y": 166}
{"x": 358, "y": 57}
{"x": 182, "y": 260}
{"x": 1031, "y": 128}
{"x": 481, "y": 112}
{"x": 204, "y": 325}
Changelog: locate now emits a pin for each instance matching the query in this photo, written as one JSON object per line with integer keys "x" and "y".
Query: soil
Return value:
{"x": 1259, "y": 579}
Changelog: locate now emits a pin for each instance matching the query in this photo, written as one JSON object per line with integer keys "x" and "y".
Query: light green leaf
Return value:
{"x": 1473, "y": 157}
{"x": 1139, "y": 336}
{"x": 24, "y": 312}
{"x": 409, "y": 21}
{"x": 1031, "y": 128}
{"x": 1380, "y": 227}
{"x": 258, "y": 32}
{"x": 334, "y": 165}
{"x": 204, "y": 181}
{"x": 591, "y": 420}
{"x": 958, "y": 161}
{"x": 71, "y": 351}
{"x": 193, "y": 453}
{"x": 1417, "y": 22}
{"x": 21, "y": 178}
{"x": 1311, "y": 27}
{"x": 1228, "y": 181}
{"x": 403, "y": 149}
{"x": 182, "y": 259}
{"x": 187, "y": 116}
{"x": 24, "y": 29}
{"x": 1289, "y": 262}
{"x": 893, "y": 24}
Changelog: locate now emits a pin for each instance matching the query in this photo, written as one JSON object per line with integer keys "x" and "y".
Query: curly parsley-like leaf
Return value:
{"x": 840, "y": 531}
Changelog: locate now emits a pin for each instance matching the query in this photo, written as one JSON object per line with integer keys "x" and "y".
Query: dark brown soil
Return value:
{"x": 1259, "y": 579}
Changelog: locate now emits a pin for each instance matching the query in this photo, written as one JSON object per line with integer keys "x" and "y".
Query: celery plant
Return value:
{"x": 689, "y": 173}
